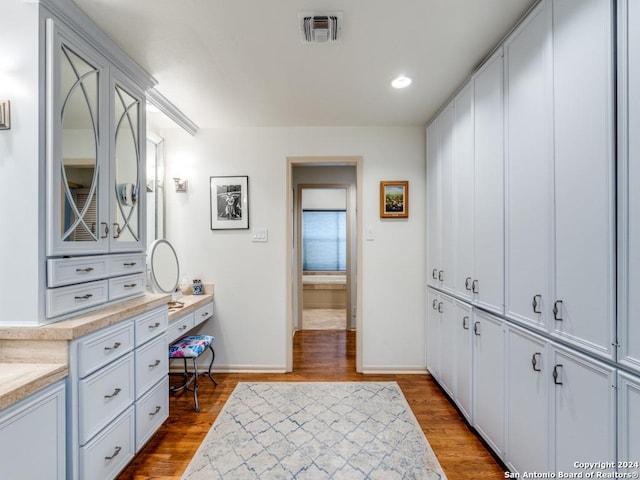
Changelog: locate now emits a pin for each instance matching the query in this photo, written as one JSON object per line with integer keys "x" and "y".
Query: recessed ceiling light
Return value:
{"x": 401, "y": 81}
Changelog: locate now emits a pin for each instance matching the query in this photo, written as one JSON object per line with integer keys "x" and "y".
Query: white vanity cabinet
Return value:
{"x": 116, "y": 376}
{"x": 181, "y": 324}
{"x": 32, "y": 436}
{"x": 628, "y": 422}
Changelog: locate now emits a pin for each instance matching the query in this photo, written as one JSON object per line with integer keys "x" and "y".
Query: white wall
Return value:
{"x": 21, "y": 169}
{"x": 250, "y": 278}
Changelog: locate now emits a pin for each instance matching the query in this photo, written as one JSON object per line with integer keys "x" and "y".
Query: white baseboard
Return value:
{"x": 396, "y": 369}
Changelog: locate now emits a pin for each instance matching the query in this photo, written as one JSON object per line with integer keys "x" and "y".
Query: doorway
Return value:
{"x": 323, "y": 233}
{"x": 323, "y": 175}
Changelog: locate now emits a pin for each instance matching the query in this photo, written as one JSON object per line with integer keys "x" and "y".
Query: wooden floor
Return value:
{"x": 318, "y": 356}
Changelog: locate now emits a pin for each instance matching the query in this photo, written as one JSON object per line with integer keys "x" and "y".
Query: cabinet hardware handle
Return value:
{"x": 84, "y": 297}
{"x": 155, "y": 364}
{"x": 440, "y": 275}
{"x": 534, "y": 362}
{"x": 155, "y": 325}
{"x": 106, "y": 229}
{"x": 183, "y": 327}
{"x": 556, "y": 375}
{"x": 536, "y": 303}
{"x": 158, "y": 408}
{"x": 93, "y": 227}
{"x": 115, "y": 346}
{"x": 465, "y": 323}
{"x": 117, "y": 230}
{"x": 115, "y": 454}
{"x": 204, "y": 314}
{"x": 557, "y": 310}
{"x": 129, "y": 264}
{"x": 434, "y": 273}
{"x": 114, "y": 394}
{"x": 467, "y": 283}
{"x": 476, "y": 328}
{"x": 84, "y": 270}
{"x": 130, "y": 285}
{"x": 434, "y": 304}
{"x": 474, "y": 286}
{"x": 439, "y": 307}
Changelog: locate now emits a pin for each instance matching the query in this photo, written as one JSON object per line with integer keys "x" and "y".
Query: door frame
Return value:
{"x": 292, "y": 284}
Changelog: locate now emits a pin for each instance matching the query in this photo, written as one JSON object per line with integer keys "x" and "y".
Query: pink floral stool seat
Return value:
{"x": 191, "y": 348}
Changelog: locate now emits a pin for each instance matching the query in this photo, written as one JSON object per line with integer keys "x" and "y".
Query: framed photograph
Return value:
{"x": 394, "y": 199}
{"x": 229, "y": 203}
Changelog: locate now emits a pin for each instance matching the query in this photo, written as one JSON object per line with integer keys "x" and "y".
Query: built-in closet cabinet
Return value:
{"x": 628, "y": 181}
{"x": 463, "y": 354}
{"x": 488, "y": 379}
{"x": 560, "y": 173}
{"x": 487, "y": 284}
{"x": 440, "y": 200}
{"x": 628, "y": 422}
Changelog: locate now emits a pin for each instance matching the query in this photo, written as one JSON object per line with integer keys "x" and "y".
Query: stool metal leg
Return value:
{"x": 213, "y": 356}
{"x": 195, "y": 383}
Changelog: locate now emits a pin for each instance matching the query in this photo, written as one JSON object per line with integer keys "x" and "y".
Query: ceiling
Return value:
{"x": 242, "y": 62}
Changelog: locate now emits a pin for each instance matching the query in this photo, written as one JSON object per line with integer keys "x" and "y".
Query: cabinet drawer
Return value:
{"x": 104, "y": 395}
{"x": 67, "y": 271}
{"x": 151, "y": 324}
{"x": 104, "y": 346}
{"x": 125, "y": 264}
{"x": 109, "y": 452}
{"x": 152, "y": 364}
{"x": 180, "y": 327}
{"x": 121, "y": 287}
{"x": 151, "y": 411}
{"x": 69, "y": 299}
{"x": 203, "y": 313}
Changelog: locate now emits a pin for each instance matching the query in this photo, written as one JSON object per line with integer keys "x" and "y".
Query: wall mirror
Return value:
{"x": 164, "y": 266}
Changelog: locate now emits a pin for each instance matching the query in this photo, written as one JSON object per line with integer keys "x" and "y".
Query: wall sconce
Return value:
{"x": 182, "y": 184}
{"x": 5, "y": 115}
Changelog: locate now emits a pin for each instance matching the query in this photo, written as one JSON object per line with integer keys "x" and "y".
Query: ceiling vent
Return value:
{"x": 320, "y": 27}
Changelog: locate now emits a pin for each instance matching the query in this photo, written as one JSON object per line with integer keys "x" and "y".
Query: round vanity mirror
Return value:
{"x": 165, "y": 269}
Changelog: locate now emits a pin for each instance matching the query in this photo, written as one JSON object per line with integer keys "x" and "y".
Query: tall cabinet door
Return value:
{"x": 462, "y": 324}
{"x": 447, "y": 270}
{"x": 433, "y": 204}
{"x": 584, "y": 409}
{"x": 628, "y": 421}
{"x": 127, "y": 173}
{"x": 528, "y": 171}
{"x": 463, "y": 191}
{"x": 629, "y": 175}
{"x": 77, "y": 146}
{"x": 527, "y": 402}
{"x": 488, "y": 282}
{"x": 448, "y": 353}
{"x": 583, "y": 94}
{"x": 488, "y": 387}
{"x": 434, "y": 333}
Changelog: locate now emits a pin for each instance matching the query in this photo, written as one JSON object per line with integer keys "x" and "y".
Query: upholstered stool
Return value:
{"x": 191, "y": 348}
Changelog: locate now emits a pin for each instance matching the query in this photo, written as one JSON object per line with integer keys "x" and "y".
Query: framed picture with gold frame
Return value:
{"x": 394, "y": 199}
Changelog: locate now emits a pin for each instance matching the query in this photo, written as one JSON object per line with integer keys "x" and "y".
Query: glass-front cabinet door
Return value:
{"x": 127, "y": 172}
{"x": 77, "y": 160}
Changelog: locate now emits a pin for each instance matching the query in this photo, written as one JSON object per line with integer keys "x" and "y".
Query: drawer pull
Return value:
{"x": 84, "y": 270}
{"x": 158, "y": 408}
{"x": 84, "y": 297}
{"x": 129, "y": 264}
{"x": 155, "y": 364}
{"x": 204, "y": 314}
{"x": 155, "y": 325}
{"x": 114, "y": 394}
{"x": 115, "y": 454}
{"x": 115, "y": 346}
{"x": 130, "y": 285}
{"x": 183, "y": 327}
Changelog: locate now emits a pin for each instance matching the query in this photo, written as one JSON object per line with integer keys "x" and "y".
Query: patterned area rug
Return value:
{"x": 294, "y": 430}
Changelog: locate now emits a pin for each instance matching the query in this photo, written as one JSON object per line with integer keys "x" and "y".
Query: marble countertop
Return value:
{"x": 19, "y": 380}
